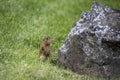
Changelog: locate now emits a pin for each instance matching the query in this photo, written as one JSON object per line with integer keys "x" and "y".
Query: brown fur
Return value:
{"x": 45, "y": 49}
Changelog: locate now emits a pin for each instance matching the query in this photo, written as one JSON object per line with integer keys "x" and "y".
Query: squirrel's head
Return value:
{"x": 47, "y": 40}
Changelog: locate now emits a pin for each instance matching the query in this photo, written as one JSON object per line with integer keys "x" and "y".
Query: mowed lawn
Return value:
{"x": 23, "y": 24}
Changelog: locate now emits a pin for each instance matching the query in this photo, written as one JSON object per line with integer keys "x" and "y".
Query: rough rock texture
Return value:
{"x": 93, "y": 44}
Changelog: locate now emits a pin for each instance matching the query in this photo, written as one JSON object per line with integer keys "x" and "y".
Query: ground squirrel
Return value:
{"x": 45, "y": 49}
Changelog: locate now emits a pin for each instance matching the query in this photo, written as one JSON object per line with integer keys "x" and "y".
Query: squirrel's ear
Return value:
{"x": 43, "y": 38}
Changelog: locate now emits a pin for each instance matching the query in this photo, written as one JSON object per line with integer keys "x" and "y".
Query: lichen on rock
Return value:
{"x": 93, "y": 44}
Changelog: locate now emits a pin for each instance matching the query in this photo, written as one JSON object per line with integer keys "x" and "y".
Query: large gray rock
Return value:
{"x": 93, "y": 44}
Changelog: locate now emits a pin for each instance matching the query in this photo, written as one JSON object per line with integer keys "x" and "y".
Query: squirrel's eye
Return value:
{"x": 46, "y": 38}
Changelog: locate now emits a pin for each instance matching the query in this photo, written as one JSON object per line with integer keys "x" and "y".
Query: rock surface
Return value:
{"x": 93, "y": 44}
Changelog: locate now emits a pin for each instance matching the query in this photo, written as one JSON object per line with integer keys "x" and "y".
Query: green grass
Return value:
{"x": 23, "y": 24}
